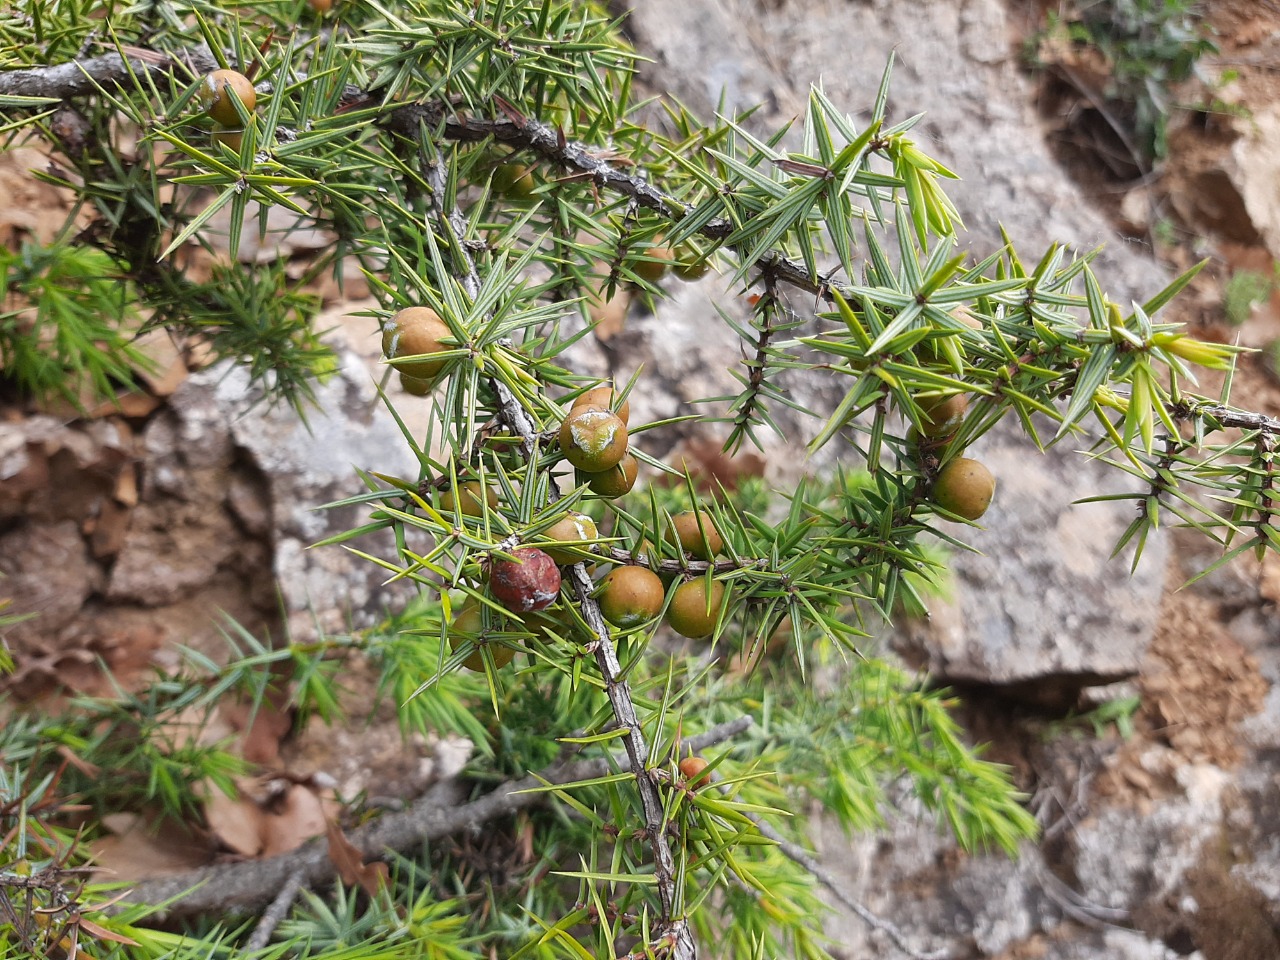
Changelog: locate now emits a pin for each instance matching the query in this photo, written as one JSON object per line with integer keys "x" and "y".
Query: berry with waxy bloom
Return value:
{"x": 593, "y": 439}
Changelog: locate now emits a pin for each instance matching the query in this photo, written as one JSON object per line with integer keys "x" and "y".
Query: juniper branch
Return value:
{"x": 70, "y": 80}
{"x": 82, "y": 78}
{"x": 1222, "y": 416}
{"x": 617, "y": 689}
{"x": 243, "y": 886}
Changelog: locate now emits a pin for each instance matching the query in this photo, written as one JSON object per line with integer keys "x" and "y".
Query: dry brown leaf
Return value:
{"x": 371, "y": 877}
{"x": 168, "y": 371}
{"x": 238, "y": 822}
{"x": 109, "y": 528}
{"x": 126, "y": 492}
{"x": 299, "y": 817}
{"x": 138, "y": 849}
{"x": 91, "y": 770}
{"x": 194, "y": 726}
{"x": 102, "y": 933}
{"x": 134, "y": 403}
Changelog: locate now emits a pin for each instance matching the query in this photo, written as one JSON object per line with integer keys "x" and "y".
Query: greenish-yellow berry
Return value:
{"x": 230, "y": 137}
{"x": 415, "y": 332}
{"x": 651, "y": 269}
{"x": 964, "y": 487}
{"x": 631, "y": 596}
{"x": 615, "y": 481}
{"x": 693, "y": 612}
{"x": 695, "y": 534}
{"x": 468, "y": 495}
{"x": 942, "y": 416}
{"x": 468, "y": 625}
{"x": 604, "y": 397}
{"x": 217, "y": 91}
{"x": 571, "y": 528}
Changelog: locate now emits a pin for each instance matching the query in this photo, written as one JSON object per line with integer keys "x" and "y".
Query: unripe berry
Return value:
{"x": 603, "y": 397}
{"x": 964, "y": 487}
{"x": 469, "y": 625}
{"x": 467, "y": 496}
{"x": 631, "y": 596}
{"x": 548, "y": 621}
{"x": 965, "y": 316}
{"x": 230, "y": 137}
{"x": 695, "y": 534}
{"x": 613, "y": 482}
{"x": 528, "y": 581}
{"x": 691, "y": 768}
{"x": 515, "y": 180}
{"x": 415, "y": 385}
{"x": 570, "y": 528}
{"x": 690, "y": 268}
{"x": 217, "y": 90}
{"x": 411, "y": 332}
{"x": 691, "y": 612}
{"x": 593, "y": 439}
{"x": 942, "y": 415}
{"x": 652, "y": 269}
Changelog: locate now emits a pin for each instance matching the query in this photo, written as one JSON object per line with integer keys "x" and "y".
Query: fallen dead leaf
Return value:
{"x": 102, "y": 933}
{"x": 133, "y": 403}
{"x": 238, "y": 822}
{"x": 299, "y": 817}
{"x": 126, "y": 492}
{"x": 139, "y": 848}
{"x": 108, "y": 529}
{"x": 370, "y": 877}
{"x": 260, "y": 728}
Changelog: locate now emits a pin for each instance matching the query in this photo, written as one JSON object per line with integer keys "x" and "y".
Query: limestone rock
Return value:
{"x": 1041, "y": 606}
{"x": 45, "y": 570}
{"x": 1255, "y": 171}
{"x": 1043, "y": 610}
{"x": 226, "y": 469}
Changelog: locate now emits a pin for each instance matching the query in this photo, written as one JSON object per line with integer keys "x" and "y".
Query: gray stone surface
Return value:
{"x": 1042, "y": 609}
{"x": 273, "y": 473}
{"x": 46, "y": 572}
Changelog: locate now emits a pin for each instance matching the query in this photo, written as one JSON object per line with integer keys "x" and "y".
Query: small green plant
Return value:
{"x": 1149, "y": 46}
{"x": 1117, "y": 714}
{"x": 69, "y": 310}
{"x": 1243, "y": 290}
{"x": 1165, "y": 232}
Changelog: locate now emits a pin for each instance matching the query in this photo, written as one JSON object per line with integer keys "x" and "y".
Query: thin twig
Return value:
{"x": 278, "y": 910}
{"x": 794, "y": 851}
{"x": 243, "y": 887}
{"x": 81, "y": 78}
{"x": 70, "y": 80}
{"x": 1076, "y": 906}
{"x": 1226, "y": 417}
{"x": 768, "y": 306}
